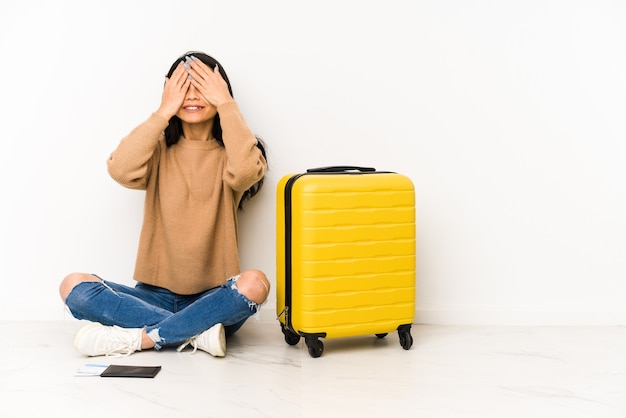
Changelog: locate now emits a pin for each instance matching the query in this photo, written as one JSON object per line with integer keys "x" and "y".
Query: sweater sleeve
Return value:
{"x": 245, "y": 163}
{"x": 130, "y": 163}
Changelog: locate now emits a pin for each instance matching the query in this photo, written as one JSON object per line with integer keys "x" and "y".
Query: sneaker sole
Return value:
{"x": 221, "y": 350}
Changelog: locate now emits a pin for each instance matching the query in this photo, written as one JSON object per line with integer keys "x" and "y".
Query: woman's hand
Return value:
{"x": 209, "y": 83}
{"x": 174, "y": 92}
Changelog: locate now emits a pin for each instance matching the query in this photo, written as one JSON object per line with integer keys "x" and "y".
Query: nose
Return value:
{"x": 192, "y": 93}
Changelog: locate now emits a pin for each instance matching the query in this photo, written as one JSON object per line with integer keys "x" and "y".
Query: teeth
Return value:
{"x": 193, "y": 107}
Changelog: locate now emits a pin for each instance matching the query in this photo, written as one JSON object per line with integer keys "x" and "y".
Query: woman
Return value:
{"x": 197, "y": 161}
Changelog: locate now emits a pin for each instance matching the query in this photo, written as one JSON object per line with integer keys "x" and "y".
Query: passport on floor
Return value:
{"x": 116, "y": 370}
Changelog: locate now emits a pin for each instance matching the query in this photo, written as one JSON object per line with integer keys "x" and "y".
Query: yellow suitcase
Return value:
{"x": 345, "y": 255}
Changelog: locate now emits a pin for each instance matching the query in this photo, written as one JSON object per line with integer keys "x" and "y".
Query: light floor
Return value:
{"x": 449, "y": 372}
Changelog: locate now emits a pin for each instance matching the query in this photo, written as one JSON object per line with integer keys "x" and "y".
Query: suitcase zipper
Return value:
{"x": 288, "y": 215}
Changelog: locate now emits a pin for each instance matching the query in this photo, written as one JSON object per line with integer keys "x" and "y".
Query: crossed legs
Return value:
{"x": 253, "y": 284}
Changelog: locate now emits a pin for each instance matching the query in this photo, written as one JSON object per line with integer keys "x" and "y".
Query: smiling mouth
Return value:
{"x": 193, "y": 107}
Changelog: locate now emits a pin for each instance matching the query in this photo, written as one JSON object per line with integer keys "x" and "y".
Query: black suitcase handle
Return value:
{"x": 340, "y": 169}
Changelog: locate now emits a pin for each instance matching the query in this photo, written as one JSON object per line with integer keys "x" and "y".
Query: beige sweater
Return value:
{"x": 188, "y": 240}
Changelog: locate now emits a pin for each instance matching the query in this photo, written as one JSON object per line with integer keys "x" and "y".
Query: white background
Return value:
{"x": 509, "y": 117}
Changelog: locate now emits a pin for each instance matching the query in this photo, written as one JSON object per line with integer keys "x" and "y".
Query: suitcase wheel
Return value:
{"x": 291, "y": 337}
{"x": 315, "y": 346}
{"x": 406, "y": 340}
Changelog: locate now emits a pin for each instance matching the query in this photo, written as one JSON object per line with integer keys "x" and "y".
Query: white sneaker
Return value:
{"x": 213, "y": 341}
{"x": 96, "y": 339}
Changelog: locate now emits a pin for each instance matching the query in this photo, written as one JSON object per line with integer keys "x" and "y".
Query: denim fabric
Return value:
{"x": 169, "y": 318}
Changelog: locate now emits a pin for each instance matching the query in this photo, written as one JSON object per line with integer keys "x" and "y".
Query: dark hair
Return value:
{"x": 174, "y": 129}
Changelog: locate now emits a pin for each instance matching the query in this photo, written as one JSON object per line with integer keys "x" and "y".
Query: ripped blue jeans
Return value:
{"x": 168, "y": 318}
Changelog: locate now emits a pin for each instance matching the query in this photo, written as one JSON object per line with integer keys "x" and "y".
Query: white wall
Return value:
{"x": 508, "y": 116}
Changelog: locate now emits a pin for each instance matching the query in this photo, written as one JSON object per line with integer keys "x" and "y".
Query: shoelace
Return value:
{"x": 194, "y": 343}
{"x": 123, "y": 346}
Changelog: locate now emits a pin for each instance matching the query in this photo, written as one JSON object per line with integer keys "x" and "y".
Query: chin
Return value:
{"x": 192, "y": 119}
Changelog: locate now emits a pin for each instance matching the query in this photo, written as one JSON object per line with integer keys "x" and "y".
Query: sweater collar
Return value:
{"x": 206, "y": 145}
